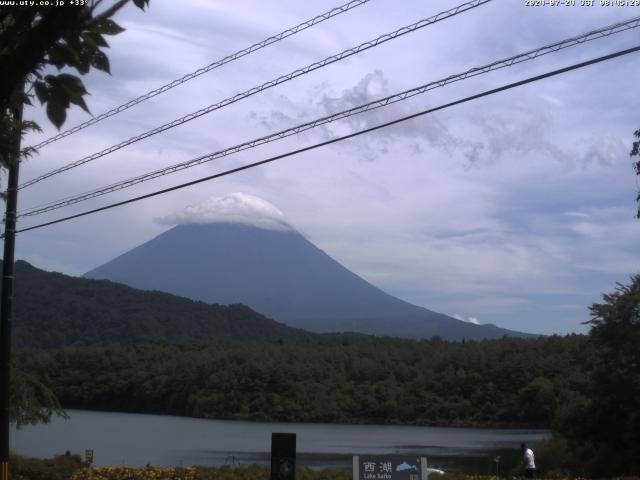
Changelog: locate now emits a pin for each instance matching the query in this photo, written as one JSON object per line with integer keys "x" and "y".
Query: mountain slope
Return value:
{"x": 52, "y": 310}
{"x": 280, "y": 274}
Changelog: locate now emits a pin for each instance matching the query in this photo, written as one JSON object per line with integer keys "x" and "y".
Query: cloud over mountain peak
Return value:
{"x": 234, "y": 208}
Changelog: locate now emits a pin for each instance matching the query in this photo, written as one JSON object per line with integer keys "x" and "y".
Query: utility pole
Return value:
{"x": 7, "y": 294}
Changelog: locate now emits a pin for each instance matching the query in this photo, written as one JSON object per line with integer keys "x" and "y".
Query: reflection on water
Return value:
{"x": 136, "y": 440}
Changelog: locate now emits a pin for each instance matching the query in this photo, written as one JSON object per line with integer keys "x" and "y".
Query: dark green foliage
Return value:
{"x": 61, "y": 467}
{"x": 554, "y": 459}
{"x": 508, "y": 382}
{"x": 635, "y": 151}
{"x": 52, "y": 310}
{"x": 31, "y": 401}
{"x": 291, "y": 375}
{"x": 35, "y": 39}
{"x": 602, "y": 424}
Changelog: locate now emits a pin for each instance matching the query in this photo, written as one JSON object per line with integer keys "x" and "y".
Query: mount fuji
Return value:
{"x": 240, "y": 249}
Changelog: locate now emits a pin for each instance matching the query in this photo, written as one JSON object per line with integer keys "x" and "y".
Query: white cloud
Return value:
{"x": 234, "y": 208}
{"x": 429, "y": 131}
{"x": 470, "y": 319}
{"x": 523, "y": 129}
{"x": 473, "y": 320}
{"x": 606, "y": 150}
{"x": 576, "y": 215}
{"x": 372, "y": 87}
{"x": 552, "y": 100}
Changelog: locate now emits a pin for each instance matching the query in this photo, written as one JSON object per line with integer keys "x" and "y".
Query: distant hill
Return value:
{"x": 52, "y": 310}
{"x": 279, "y": 273}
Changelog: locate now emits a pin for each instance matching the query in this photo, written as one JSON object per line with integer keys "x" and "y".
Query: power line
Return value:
{"x": 272, "y": 83}
{"x": 339, "y": 139}
{"x": 218, "y": 63}
{"x": 397, "y": 97}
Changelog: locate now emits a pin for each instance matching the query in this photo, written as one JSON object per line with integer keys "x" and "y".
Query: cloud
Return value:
{"x": 513, "y": 130}
{"x": 234, "y": 208}
{"x": 473, "y": 320}
{"x": 470, "y": 319}
{"x": 374, "y": 86}
{"x": 580, "y": 215}
{"x": 525, "y": 131}
{"x": 428, "y": 131}
{"x": 552, "y": 100}
{"x": 605, "y": 150}
{"x": 371, "y": 87}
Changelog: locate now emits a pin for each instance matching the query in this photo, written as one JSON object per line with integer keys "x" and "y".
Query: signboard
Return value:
{"x": 389, "y": 467}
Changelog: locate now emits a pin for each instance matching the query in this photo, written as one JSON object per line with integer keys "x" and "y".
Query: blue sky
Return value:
{"x": 517, "y": 209}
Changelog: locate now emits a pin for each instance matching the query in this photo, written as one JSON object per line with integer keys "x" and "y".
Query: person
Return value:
{"x": 528, "y": 460}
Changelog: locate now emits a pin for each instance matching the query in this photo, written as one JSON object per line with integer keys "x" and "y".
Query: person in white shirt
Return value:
{"x": 529, "y": 461}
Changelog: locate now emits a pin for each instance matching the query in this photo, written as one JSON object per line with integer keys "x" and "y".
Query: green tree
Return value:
{"x": 635, "y": 152}
{"x": 537, "y": 401}
{"x": 31, "y": 401}
{"x": 35, "y": 41}
{"x": 38, "y": 47}
{"x": 603, "y": 428}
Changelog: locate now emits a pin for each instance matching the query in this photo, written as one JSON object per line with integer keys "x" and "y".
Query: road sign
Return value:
{"x": 389, "y": 467}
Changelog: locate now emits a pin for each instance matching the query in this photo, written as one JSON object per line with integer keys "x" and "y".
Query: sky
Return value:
{"x": 517, "y": 209}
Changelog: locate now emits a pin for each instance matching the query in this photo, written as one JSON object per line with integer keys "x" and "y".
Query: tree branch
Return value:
{"x": 108, "y": 13}
{"x": 25, "y": 59}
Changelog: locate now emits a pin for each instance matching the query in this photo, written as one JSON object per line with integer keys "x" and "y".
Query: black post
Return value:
{"x": 283, "y": 456}
{"x": 7, "y": 296}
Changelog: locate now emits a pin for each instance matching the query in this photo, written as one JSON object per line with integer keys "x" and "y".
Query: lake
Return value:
{"x": 132, "y": 439}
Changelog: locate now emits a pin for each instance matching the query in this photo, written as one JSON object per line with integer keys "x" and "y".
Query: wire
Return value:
{"x": 339, "y": 139}
{"x": 218, "y": 63}
{"x": 397, "y": 97}
{"x": 272, "y": 83}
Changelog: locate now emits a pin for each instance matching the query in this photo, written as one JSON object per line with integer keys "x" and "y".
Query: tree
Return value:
{"x": 31, "y": 401}
{"x": 35, "y": 41}
{"x": 603, "y": 428}
{"x": 635, "y": 151}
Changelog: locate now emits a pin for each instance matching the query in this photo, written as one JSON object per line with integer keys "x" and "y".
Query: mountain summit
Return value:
{"x": 234, "y": 208}
{"x": 239, "y": 249}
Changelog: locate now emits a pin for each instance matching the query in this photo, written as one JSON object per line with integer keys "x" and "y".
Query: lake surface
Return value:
{"x": 136, "y": 440}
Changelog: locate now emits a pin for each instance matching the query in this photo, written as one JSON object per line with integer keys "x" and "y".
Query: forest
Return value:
{"x": 52, "y": 310}
{"x": 507, "y": 382}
